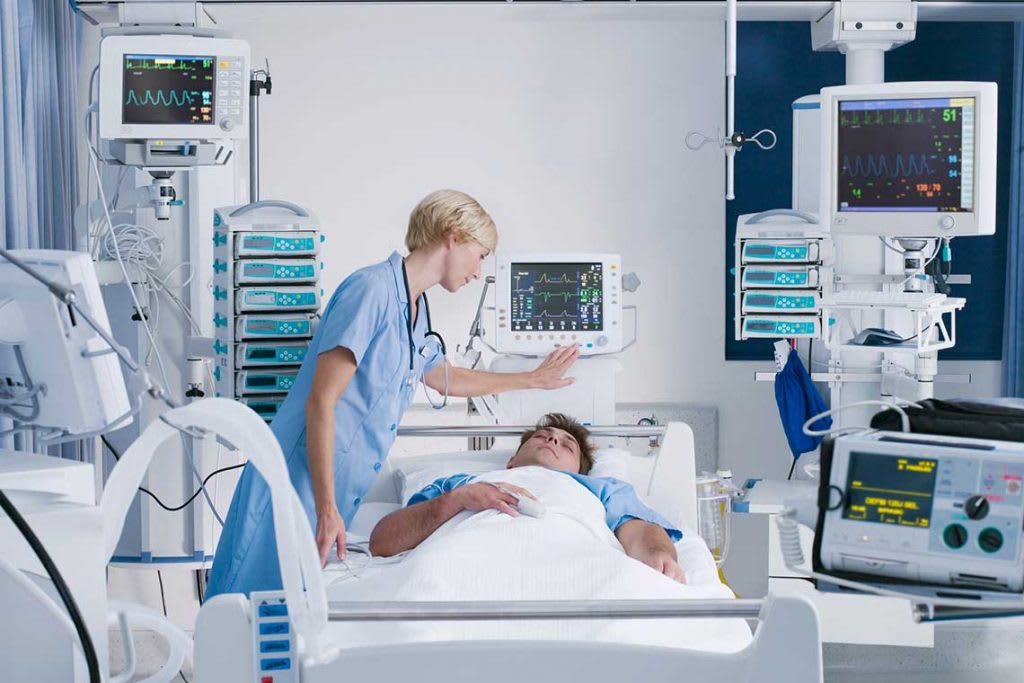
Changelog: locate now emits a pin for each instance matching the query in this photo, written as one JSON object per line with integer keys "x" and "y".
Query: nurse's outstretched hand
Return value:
{"x": 550, "y": 374}
{"x": 330, "y": 528}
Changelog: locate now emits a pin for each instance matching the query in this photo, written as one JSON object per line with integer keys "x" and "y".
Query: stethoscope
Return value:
{"x": 425, "y": 306}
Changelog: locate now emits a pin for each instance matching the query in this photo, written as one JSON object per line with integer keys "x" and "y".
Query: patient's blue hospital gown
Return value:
{"x": 367, "y": 315}
{"x": 620, "y": 500}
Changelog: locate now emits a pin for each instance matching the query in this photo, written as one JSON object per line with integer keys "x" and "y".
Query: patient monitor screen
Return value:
{"x": 906, "y": 155}
{"x": 168, "y": 89}
{"x": 557, "y": 297}
{"x": 890, "y": 489}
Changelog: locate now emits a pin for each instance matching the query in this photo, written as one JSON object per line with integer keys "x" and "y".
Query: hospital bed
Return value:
{"x": 375, "y": 636}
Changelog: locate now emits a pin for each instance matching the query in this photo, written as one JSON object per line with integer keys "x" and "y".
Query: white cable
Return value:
{"x": 94, "y": 158}
{"x": 904, "y": 420}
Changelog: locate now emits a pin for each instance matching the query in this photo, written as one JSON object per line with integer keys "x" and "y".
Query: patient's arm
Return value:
{"x": 650, "y": 544}
{"x": 406, "y": 528}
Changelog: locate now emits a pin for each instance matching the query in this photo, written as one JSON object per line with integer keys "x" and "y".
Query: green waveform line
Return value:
{"x": 160, "y": 98}
{"x": 177, "y": 65}
{"x": 549, "y": 295}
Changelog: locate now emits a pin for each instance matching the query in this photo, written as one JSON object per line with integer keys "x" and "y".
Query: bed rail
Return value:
{"x": 540, "y": 609}
{"x": 624, "y": 431}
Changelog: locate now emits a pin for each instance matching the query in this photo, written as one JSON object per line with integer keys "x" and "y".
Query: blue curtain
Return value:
{"x": 39, "y": 68}
{"x": 1013, "y": 327}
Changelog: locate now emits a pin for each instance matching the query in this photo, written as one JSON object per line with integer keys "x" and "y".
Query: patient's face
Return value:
{"x": 549, "y": 447}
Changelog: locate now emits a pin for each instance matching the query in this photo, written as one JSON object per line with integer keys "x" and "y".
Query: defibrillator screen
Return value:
{"x": 890, "y": 489}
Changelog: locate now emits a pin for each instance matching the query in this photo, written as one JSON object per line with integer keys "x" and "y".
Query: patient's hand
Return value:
{"x": 486, "y": 496}
{"x": 663, "y": 562}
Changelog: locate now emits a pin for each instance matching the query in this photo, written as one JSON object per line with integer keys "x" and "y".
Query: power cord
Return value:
{"x": 88, "y": 649}
{"x": 211, "y": 475}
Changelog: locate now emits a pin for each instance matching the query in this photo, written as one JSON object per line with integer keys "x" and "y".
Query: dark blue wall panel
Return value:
{"x": 775, "y": 65}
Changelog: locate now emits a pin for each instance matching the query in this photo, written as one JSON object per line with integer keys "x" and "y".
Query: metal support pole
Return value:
{"x": 625, "y": 431}
{"x": 543, "y": 610}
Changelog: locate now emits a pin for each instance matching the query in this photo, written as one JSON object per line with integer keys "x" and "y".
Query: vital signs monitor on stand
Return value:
{"x": 910, "y": 159}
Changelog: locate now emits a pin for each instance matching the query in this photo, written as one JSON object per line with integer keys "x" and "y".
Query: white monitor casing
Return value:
{"x": 608, "y": 339}
{"x": 231, "y": 93}
{"x": 85, "y": 388}
{"x": 978, "y": 221}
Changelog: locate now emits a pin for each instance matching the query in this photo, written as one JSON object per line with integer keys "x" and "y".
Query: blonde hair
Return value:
{"x": 444, "y": 212}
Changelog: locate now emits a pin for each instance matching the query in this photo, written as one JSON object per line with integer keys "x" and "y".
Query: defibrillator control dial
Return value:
{"x": 955, "y": 536}
{"x": 976, "y": 507}
{"x": 990, "y": 540}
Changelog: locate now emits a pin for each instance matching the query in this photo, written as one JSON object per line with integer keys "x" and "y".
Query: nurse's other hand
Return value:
{"x": 549, "y": 374}
{"x": 330, "y": 529}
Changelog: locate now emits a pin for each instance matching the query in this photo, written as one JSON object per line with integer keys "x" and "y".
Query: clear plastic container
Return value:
{"x": 714, "y": 502}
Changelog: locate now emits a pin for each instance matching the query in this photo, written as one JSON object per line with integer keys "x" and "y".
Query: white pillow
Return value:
{"x": 611, "y": 462}
{"x": 414, "y": 474}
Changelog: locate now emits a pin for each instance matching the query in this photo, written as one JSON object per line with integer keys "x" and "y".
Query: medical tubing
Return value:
{"x": 211, "y": 475}
{"x": 88, "y": 649}
{"x": 93, "y": 156}
{"x": 789, "y": 540}
{"x": 178, "y": 642}
{"x": 904, "y": 419}
{"x": 128, "y": 644}
{"x": 190, "y": 454}
{"x": 298, "y": 557}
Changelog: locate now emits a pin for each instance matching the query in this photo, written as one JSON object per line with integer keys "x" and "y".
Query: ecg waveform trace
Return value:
{"x": 881, "y": 167}
{"x": 556, "y": 297}
{"x": 162, "y": 99}
{"x": 168, "y": 89}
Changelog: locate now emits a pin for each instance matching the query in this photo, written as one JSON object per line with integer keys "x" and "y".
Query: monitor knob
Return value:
{"x": 976, "y": 507}
{"x": 602, "y": 340}
{"x": 227, "y": 124}
{"x": 947, "y": 222}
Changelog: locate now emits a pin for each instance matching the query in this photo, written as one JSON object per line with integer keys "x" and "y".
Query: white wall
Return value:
{"x": 568, "y": 128}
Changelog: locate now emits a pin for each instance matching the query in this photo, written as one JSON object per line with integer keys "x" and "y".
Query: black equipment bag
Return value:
{"x": 1001, "y": 419}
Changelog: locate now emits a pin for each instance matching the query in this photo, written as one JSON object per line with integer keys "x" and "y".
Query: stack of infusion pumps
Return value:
{"x": 266, "y": 290}
{"x": 781, "y": 269}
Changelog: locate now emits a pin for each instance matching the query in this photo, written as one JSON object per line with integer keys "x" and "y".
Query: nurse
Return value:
{"x": 368, "y": 354}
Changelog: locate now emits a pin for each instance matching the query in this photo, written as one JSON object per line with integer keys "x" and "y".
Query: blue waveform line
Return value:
{"x": 913, "y": 166}
{"x": 161, "y": 98}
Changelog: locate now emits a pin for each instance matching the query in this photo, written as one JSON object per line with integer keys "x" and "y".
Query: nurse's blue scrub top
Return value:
{"x": 366, "y": 315}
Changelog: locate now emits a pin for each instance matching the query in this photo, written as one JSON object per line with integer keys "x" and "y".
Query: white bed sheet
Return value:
{"x": 569, "y": 554}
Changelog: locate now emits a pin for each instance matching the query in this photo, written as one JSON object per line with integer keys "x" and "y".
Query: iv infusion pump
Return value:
{"x": 925, "y": 509}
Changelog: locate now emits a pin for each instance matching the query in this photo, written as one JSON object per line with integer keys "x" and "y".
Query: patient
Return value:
{"x": 558, "y": 443}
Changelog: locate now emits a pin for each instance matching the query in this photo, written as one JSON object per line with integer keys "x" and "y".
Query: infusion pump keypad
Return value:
{"x": 231, "y": 92}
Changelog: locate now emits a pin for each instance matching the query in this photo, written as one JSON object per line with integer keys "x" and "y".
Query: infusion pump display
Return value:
{"x": 927, "y": 509}
{"x": 551, "y": 300}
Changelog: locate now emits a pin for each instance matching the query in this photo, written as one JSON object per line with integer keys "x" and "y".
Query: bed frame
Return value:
{"x": 786, "y": 647}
